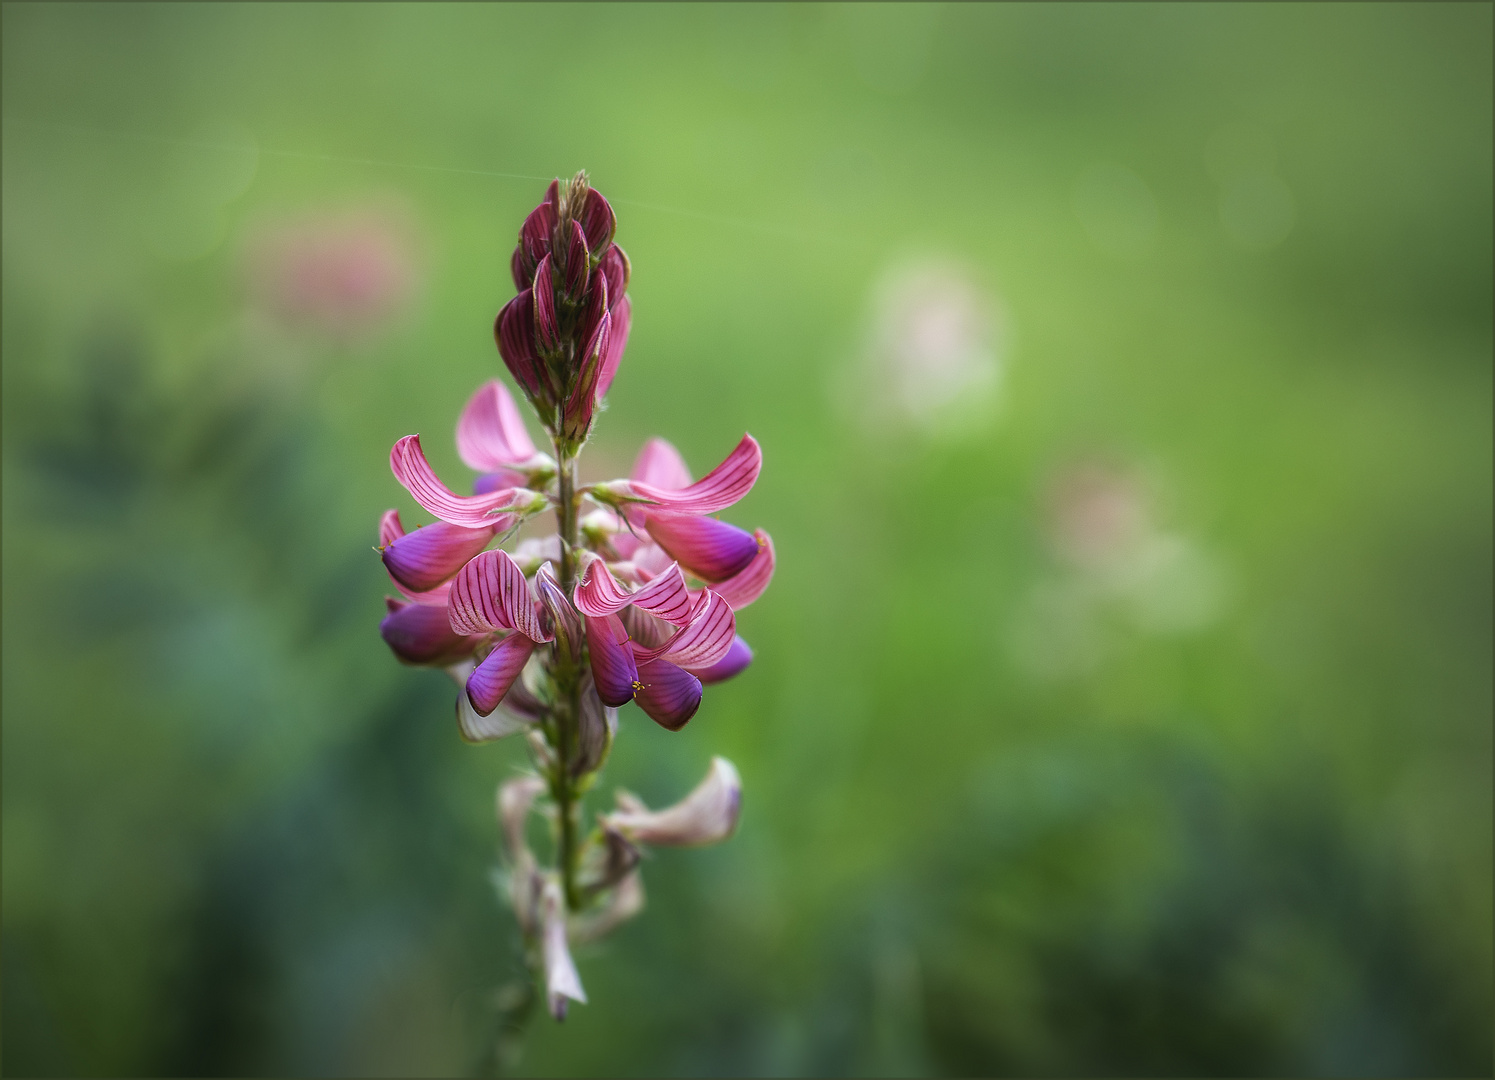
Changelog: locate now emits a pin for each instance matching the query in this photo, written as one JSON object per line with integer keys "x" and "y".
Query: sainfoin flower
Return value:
{"x": 633, "y": 598}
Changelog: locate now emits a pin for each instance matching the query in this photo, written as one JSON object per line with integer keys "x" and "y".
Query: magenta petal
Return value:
{"x": 547, "y": 324}
{"x": 615, "y": 271}
{"x": 669, "y": 694}
{"x": 710, "y": 549}
{"x": 423, "y": 559}
{"x": 597, "y": 220}
{"x": 613, "y": 667}
{"x": 661, "y": 465}
{"x": 598, "y": 593}
{"x": 534, "y": 242}
{"x": 617, "y": 339}
{"x": 490, "y": 432}
{"x": 514, "y": 331}
{"x": 568, "y": 627}
{"x": 739, "y": 656}
{"x": 708, "y": 637}
{"x": 746, "y": 586}
{"x": 491, "y": 594}
{"x": 408, "y": 462}
{"x": 422, "y": 634}
{"x": 491, "y": 679}
{"x": 390, "y": 528}
{"x": 717, "y": 490}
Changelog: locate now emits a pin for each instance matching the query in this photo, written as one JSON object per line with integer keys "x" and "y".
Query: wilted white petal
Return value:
{"x": 705, "y": 816}
{"x": 515, "y": 797}
{"x": 476, "y": 728}
{"x": 561, "y": 980}
{"x": 596, "y": 730}
{"x": 626, "y": 901}
{"x": 605, "y": 864}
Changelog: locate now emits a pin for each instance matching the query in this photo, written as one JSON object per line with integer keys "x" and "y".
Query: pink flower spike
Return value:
{"x": 739, "y": 656}
{"x": 491, "y": 679}
{"x": 613, "y": 666}
{"x": 598, "y": 593}
{"x": 710, "y": 549}
{"x": 706, "y": 640}
{"x": 670, "y": 695}
{"x": 717, "y": 490}
{"x": 617, "y": 340}
{"x": 491, "y": 594}
{"x": 746, "y": 586}
{"x": 421, "y": 560}
{"x": 661, "y": 465}
{"x": 390, "y": 528}
{"x": 421, "y": 634}
{"x": 547, "y": 325}
{"x": 499, "y": 508}
{"x": 491, "y": 433}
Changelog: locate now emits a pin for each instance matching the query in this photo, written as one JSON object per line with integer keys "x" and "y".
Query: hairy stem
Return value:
{"x": 567, "y": 675}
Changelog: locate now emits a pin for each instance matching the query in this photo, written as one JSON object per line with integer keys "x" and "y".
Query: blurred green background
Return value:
{"x": 1123, "y": 701}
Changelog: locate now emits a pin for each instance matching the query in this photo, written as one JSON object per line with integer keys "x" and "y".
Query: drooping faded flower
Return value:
{"x": 634, "y": 598}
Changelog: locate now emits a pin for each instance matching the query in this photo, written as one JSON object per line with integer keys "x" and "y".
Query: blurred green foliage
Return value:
{"x": 993, "y": 822}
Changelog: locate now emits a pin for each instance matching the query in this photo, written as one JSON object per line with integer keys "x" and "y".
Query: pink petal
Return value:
{"x": 499, "y": 478}
{"x": 421, "y": 560}
{"x": 617, "y": 340}
{"x": 598, "y": 593}
{"x": 710, "y": 549}
{"x": 660, "y": 464}
{"x": 613, "y": 667}
{"x": 408, "y": 462}
{"x": 717, "y": 490}
{"x": 422, "y": 634}
{"x": 491, "y": 679}
{"x": 598, "y": 220}
{"x": 534, "y": 242}
{"x": 705, "y": 641}
{"x": 668, "y": 694}
{"x": 390, "y": 528}
{"x": 742, "y": 589}
{"x": 490, "y": 432}
{"x": 739, "y": 656}
{"x": 514, "y": 330}
{"x": 615, "y": 271}
{"x": 491, "y": 594}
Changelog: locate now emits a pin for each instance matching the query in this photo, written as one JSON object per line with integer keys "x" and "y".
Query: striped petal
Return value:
{"x": 534, "y": 242}
{"x": 706, "y": 816}
{"x": 710, "y": 549}
{"x": 577, "y": 260}
{"x": 500, "y": 509}
{"x": 568, "y": 627}
{"x": 666, "y": 596}
{"x": 423, "y": 559}
{"x": 491, "y": 679}
{"x": 705, "y": 641}
{"x": 490, "y": 432}
{"x": 514, "y": 331}
{"x": 670, "y": 695}
{"x": 717, "y": 490}
{"x": 491, "y": 594}
{"x": 617, "y": 340}
{"x": 597, "y": 220}
{"x": 615, "y": 270}
{"x": 390, "y": 528}
{"x": 613, "y": 666}
{"x": 743, "y": 588}
{"x": 422, "y": 634}
{"x": 739, "y": 656}
{"x": 547, "y": 323}
{"x": 661, "y": 465}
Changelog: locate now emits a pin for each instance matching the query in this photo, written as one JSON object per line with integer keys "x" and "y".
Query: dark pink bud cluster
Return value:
{"x": 563, "y": 336}
{"x": 633, "y": 599}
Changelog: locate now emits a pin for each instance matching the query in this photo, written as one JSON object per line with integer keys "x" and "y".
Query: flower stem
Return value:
{"x": 567, "y": 675}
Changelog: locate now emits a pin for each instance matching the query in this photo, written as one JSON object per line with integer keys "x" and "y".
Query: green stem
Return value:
{"x": 568, "y": 685}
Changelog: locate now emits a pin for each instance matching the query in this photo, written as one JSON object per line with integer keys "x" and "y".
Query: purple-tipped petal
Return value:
{"x": 661, "y": 465}
{"x": 747, "y": 585}
{"x": 705, "y": 641}
{"x": 491, "y": 594}
{"x": 597, "y": 220}
{"x": 739, "y": 656}
{"x": 547, "y": 322}
{"x": 423, "y": 559}
{"x": 568, "y": 627}
{"x": 561, "y": 980}
{"x": 617, "y": 340}
{"x": 670, "y": 695}
{"x": 710, "y": 549}
{"x": 534, "y": 243}
{"x": 514, "y": 330}
{"x": 615, "y": 270}
{"x": 499, "y": 509}
{"x": 707, "y": 815}
{"x": 577, "y": 260}
{"x": 613, "y": 666}
{"x": 491, "y": 679}
{"x": 500, "y": 723}
{"x": 491, "y": 433}
{"x": 422, "y": 634}
{"x": 598, "y": 593}
{"x": 390, "y": 528}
